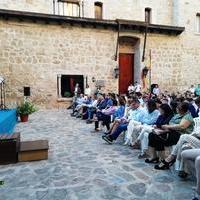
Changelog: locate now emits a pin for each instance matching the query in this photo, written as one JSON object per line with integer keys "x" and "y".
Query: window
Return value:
{"x": 68, "y": 8}
{"x": 198, "y": 23}
{"x": 98, "y": 9}
{"x": 66, "y": 84}
{"x": 148, "y": 15}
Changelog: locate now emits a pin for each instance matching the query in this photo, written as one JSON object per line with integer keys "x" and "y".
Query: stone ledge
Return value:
{"x": 65, "y": 99}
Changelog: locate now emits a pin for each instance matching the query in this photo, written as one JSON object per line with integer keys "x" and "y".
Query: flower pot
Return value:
{"x": 24, "y": 118}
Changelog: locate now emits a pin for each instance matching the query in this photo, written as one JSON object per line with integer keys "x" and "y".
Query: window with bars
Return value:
{"x": 68, "y": 8}
{"x": 98, "y": 11}
{"x": 198, "y": 22}
{"x": 148, "y": 15}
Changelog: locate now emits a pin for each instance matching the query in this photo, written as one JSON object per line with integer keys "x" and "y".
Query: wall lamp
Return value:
{"x": 116, "y": 72}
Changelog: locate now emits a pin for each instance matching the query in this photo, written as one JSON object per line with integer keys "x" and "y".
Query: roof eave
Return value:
{"x": 125, "y": 25}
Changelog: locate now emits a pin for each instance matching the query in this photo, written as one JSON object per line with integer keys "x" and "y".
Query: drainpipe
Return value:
{"x": 117, "y": 45}
{"x": 54, "y": 10}
{"x": 145, "y": 41}
{"x": 82, "y": 3}
{"x": 59, "y": 85}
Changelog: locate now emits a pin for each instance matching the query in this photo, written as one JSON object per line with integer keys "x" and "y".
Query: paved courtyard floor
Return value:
{"x": 82, "y": 166}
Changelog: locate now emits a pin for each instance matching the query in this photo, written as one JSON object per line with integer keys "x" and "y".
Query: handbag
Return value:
{"x": 165, "y": 136}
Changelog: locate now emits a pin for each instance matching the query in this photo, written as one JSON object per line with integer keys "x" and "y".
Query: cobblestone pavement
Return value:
{"x": 82, "y": 166}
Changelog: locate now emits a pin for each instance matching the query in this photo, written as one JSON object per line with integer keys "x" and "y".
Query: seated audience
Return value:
{"x": 197, "y": 90}
{"x": 110, "y": 99}
{"x": 135, "y": 127}
{"x": 137, "y": 115}
{"x": 122, "y": 120}
{"x": 96, "y": 103}
{"x": 196, "y": 105}
{"x": 185, "y": 141}
{"x": 131, "y": 89}
{"x": 168, "y": 135}
{"x": 156, "y": 90}
{"x": 78, "y": 101}
{"x": 147, "y": 127}
{"x": 88, "y": 91}
{"x": 173, "y": 105}
{"x": 139, "y": 96}
{"x": 165, "y": 116}
{"x": 119, "y": 113}
{"x": 192, "y": 108}
{"x": 105, "y": 116}
{"x": 192, "y": 89}
{"x": 191, "y": 158}
{"x": 138, "y": 87}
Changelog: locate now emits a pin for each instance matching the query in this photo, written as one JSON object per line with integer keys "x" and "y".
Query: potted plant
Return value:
{"x": 25, "y": 109}
{"x": 67, "y": 94}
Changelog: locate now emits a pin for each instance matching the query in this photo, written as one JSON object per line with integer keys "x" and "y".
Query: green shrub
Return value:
{"x": 67, "y": 94}
{"x": 26, "y": 108}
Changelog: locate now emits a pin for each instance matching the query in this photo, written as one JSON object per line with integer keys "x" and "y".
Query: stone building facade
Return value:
{"x": 41, "y": 51}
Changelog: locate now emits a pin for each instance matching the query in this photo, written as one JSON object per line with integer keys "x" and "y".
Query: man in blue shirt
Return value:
{"x": 137, "y": 115}
{"x": 148, "y": 118}
{"x": 109, "y": 100}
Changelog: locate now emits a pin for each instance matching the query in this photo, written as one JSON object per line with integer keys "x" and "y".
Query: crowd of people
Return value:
{"x": 151, "y": 122}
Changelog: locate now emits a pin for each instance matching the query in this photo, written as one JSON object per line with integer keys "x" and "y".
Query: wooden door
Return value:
{"x": 126, "y": 72}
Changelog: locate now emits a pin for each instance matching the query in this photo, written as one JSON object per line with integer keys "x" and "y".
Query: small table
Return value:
{"x": 8, "y": 120}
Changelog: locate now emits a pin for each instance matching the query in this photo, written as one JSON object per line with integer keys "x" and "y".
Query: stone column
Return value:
{"x": 59, "y": 85}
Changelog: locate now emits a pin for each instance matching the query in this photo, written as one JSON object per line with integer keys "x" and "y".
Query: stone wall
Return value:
{"x": 112, "y": 9}
{"x": 133, "y": 10}
{"x": 187, "y": 15}
{"x": 175, "y": 61}
{"x": 40, "y": 6}
{"x": 34, "y": 54}
{"x": 168, "y": 12}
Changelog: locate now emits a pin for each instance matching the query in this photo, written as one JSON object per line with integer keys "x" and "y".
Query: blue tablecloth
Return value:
{"x": 8, "y": 121}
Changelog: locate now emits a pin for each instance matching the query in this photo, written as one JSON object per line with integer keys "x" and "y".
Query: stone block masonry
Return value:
{"x": 34, "y": 54}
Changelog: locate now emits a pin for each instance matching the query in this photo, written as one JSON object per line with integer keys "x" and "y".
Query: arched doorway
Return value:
{"x": 129, "y": 62}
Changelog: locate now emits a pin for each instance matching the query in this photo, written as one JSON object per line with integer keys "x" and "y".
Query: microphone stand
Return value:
{"x": 3, "y": 96}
